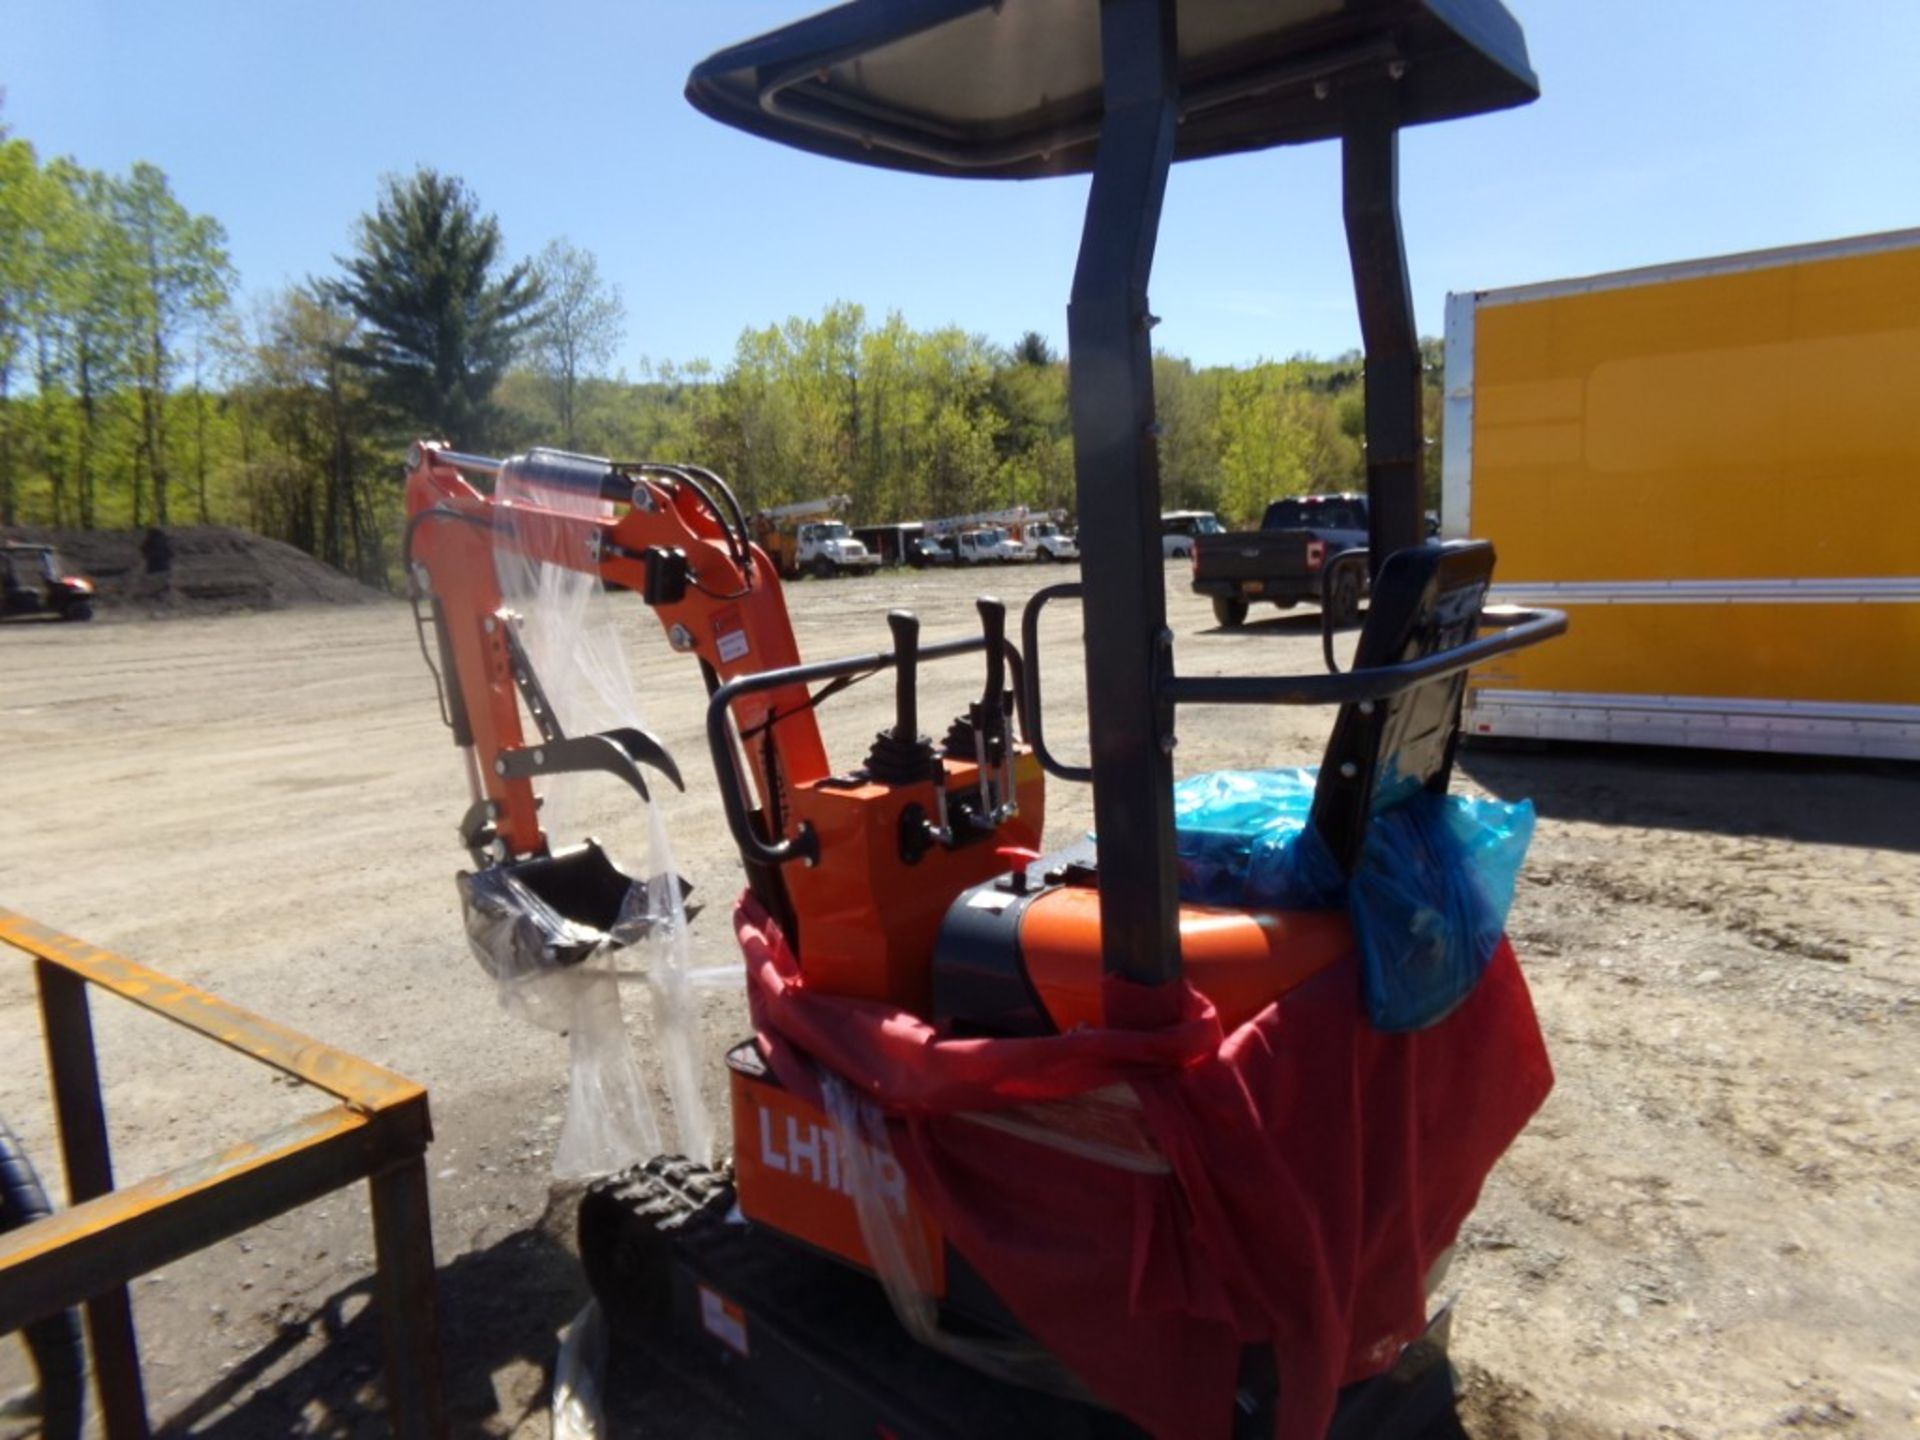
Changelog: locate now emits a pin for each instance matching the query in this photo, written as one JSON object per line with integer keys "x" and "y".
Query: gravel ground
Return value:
{"x": 1709, "y": 1231}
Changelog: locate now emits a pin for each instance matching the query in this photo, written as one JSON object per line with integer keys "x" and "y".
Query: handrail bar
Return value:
{"x": 1520, "y": 627}
{"x": 1032, "y": 719}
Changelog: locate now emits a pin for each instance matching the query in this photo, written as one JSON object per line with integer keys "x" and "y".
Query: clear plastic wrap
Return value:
{"x": 517, "y": 936}
{"x": 578, "y": 1410}
{"x": 566, "y": 628}
{"x": 900, "y": 1255}
{"x": 1429, "y": 898}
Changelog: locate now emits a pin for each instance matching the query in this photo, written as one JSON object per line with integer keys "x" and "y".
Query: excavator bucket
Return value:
{"x": 528, "y": 917}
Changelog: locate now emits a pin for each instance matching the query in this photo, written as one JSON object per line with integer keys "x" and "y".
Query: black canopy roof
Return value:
{"x": 1011, "y": 90}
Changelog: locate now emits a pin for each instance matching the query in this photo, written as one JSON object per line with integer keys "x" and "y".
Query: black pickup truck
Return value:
{"x": 1284, "y": 559}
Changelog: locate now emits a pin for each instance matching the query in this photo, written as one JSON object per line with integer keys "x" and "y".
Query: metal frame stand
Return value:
{"x": 377, "y": 1130}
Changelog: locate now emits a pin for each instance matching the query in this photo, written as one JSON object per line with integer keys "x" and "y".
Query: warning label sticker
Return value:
{"x": 730, "y": 635}
{"x": 724, "y": 1320}
{"x": 995, "y": 900}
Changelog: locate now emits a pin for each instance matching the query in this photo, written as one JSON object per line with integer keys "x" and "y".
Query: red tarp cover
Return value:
{"x": 1319, "y": 1167}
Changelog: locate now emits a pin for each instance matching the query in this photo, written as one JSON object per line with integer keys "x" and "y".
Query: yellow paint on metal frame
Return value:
{"x": 378, "y": 1132}
{"x": 360, "y": 1083}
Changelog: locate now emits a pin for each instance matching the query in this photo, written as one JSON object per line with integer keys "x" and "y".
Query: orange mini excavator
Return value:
{"x": 1026, "y": 1143}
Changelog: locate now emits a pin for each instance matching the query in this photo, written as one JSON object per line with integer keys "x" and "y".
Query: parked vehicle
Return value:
{"x": 926, "y": 550}
{"x": 35, "y": 581}
{"x": 827, "y": 548}
{"x": 1637, "y": 445}
{"x": 1285, "y": 561}
{"x": 997, "y": 535}
{"x": 986, "y": 545}
{"x": 1045, "y": 540}
{"x": 889, "y": 543}
{"x": 1179, "y": 527}
{"x": 799, "y": 544}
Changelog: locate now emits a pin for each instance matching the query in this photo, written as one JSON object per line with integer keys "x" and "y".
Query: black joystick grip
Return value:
{"x": 906, "y": 693}
{"x": 902, "y": 756}
{"x": 993, "y": 625}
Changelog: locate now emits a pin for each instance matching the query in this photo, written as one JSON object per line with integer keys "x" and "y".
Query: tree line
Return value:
{"x": 134, "y": 390}
{"x": 915, "y": 424}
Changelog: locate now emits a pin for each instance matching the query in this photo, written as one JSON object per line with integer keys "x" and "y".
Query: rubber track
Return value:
{"x": 59, "y": 1352}
{"x": 628, "y": 1225}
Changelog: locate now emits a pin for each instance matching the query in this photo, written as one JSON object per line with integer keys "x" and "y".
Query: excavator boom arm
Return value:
{"x": 715, "y": 593}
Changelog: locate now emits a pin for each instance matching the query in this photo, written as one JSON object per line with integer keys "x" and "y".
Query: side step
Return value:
{"x": 812, "y": 1348}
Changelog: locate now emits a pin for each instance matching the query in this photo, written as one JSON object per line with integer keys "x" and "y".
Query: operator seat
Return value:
{"x": 1426, "y": 599}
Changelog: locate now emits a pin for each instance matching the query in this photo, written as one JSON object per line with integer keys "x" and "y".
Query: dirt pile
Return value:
{"x": 215, "y": 568}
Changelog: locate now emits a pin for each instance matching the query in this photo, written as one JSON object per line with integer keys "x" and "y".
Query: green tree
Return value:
{"x": 794, "y": 398}
{"x": 954, "y": 457}
{"x": 1032, "y": 349}
{"x": 1034, "y": 439}
{"x": 580, "y": 327}
{"x": 182, "y": 280}
{"x": 313, "y": 479}
{"x": 1280, "y": 434}
{"x": 1187, "y": 405}
{"x": 915, "y": 424}
{"x": 87, "y": 343}
{"x": 888, "y": 419}
{"x": 442, "y": 316}
{"x": 22, "y": 275}
{"x": 64, "y": 308}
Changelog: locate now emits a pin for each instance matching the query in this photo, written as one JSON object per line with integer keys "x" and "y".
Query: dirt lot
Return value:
{"x": 1710, "y": 1231}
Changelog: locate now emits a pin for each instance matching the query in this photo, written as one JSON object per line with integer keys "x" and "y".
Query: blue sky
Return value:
{"x": 1667, "y": 129}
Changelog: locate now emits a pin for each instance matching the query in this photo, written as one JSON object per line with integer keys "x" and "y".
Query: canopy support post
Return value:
{"x": 1370, "y": 176}
{"x": 1117, "y": 476}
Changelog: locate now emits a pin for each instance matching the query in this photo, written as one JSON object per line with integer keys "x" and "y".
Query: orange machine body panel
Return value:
{"x": 1242, "y": 960}
{"x": 868, "y": 920}
{"x": 789, "y": 1173}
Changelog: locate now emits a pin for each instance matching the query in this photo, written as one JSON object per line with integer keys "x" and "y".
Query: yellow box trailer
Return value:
{"x": 1714, "y": 468}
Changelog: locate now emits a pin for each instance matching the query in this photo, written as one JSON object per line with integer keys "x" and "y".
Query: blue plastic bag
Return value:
{"x": 1242, "y": 839}
{"x": 1428, "y": 899}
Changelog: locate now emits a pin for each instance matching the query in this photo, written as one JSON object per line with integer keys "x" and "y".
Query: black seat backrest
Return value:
{"x": 1425, "y": 599}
